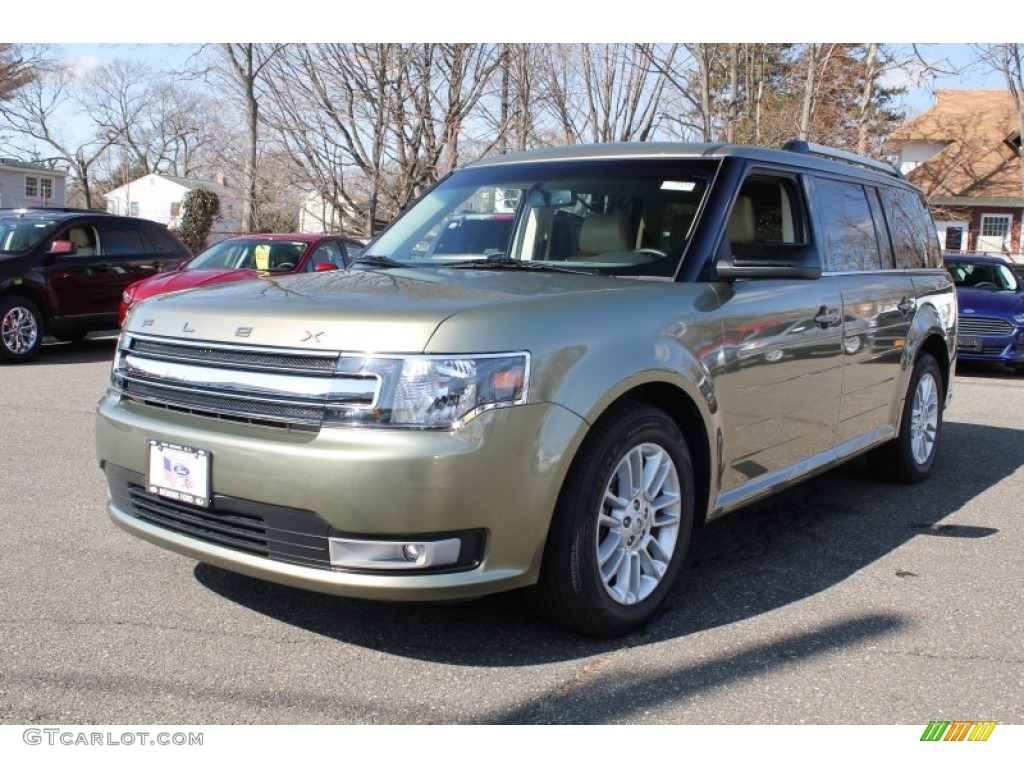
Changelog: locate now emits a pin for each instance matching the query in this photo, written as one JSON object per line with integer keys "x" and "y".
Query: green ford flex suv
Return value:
{"x": 625, "y": 341}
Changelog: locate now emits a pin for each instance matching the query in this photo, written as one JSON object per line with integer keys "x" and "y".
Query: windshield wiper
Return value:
{"x": 380, "y": 261}
{"x": 507, "y": 262}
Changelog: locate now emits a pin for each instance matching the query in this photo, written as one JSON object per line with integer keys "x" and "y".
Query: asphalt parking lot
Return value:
{"x": 843, "y": 601}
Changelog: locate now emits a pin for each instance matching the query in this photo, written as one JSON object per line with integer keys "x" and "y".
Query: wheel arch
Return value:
{"x": 687, "y": 415}
{"x": 25, "y": 291}
{"x": 935, "y": 346}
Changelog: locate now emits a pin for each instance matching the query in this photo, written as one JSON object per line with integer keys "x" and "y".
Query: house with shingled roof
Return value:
{"x": 963, "y": 153}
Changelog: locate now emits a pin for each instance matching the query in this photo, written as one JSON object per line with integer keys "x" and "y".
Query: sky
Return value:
{"x": 952, "y": 58}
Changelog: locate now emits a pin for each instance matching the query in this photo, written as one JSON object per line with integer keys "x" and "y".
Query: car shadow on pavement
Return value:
{"x": 93, "y": 349}
{"x": 776, "y": 552}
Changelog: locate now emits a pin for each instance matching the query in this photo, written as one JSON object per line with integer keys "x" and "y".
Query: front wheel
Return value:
{"x": 909, "y": 458}
{"x": 622, "y": 526}
{"x": 21, "y": 329}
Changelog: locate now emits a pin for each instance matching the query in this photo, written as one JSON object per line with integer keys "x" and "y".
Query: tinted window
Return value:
{"x": 847, "y": 228}
{"x": 914, "y": 238}
{"x": 163, "y": 242}
{"x": 121, "y": 239}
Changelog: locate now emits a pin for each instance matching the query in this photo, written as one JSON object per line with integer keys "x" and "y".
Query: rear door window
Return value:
{"x": 849, "y": 237}
{"x": 120, "y": 239}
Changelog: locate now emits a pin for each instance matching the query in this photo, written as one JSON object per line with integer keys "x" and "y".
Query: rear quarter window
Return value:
{"x": 915, "y": 241}
{"x": 164, "y": 243}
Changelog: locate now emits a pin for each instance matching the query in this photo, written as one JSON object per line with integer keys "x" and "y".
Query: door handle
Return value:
{"x": 906, "y": 306}
{"x": 826, "y": 317}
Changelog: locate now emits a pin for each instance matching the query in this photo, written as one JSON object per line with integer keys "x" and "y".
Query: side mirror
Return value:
{"x": 62, "y": 248}
{"x": 325, "y": 266}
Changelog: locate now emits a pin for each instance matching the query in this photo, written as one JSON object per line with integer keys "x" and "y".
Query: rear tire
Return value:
{"x": 622, "y": 527}
{"x": 21, "y": 329}
{"x": 909, "y": 458}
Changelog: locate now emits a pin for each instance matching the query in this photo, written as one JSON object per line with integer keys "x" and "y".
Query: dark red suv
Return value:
{"x": 62, "y": 272}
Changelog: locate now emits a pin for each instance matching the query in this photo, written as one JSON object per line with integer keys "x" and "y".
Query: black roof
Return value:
{"x": 36, "y": 212}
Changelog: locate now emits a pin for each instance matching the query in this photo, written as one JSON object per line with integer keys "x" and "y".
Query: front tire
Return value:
{"x": 622, "y": 527}
{"x": 909, "y": 458}
{"x": 21, "y": 329}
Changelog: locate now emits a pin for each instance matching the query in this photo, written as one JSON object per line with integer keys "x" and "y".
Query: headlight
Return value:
{"x": 1019, "y": 319}
{"x": 433, "y": 392}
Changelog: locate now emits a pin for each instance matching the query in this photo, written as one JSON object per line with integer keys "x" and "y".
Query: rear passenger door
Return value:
{"x": 782, "y": 353}
{"x": 878, "y": 306}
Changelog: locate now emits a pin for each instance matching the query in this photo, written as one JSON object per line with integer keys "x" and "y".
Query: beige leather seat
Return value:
{"x": 742, "y": 227}
{"x": 80, "y": 238}
{"x": 602, "y": 233}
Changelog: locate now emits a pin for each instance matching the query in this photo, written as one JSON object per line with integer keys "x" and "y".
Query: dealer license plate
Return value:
{"x": 969, "y": 343}
{"x": 179, "y": 472}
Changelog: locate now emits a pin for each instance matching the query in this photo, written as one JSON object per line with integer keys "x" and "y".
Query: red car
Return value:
{"x": 246, "y": 257}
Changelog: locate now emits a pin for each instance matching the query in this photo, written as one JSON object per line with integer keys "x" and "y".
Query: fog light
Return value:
{"x": 413, "y": 552}
{"x": 393, "y": 555}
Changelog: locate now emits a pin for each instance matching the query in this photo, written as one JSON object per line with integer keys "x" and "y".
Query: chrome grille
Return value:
{"x": 254, "y": 385}
{"x": 242, "y": 358}
{"x": 985, "y": 326}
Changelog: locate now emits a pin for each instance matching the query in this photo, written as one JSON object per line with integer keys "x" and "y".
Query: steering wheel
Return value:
{"x": 659, "y": 254}
{"x": 284, "y": 267}
{"x": 985, "y": 284}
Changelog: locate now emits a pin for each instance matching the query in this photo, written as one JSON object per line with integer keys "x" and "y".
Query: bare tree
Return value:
{"x": 374, "y": 125}
{"x": 242, "y": 66}
{"x": 37, "y": 116}
{"x": 1010, "y": 61}
{"x": 19, "y": 65}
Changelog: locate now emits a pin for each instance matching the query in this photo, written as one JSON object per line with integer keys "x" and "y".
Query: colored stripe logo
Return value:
{"x": 958, "y": 730}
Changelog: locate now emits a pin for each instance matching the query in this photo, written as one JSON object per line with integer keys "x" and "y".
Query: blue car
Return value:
{"x": 990, "y": 294}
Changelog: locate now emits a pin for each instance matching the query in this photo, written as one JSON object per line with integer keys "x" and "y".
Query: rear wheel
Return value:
{"x": 21, "y": 329}
{"x": 622, "y": 527}
{"x": 909, "y": 458}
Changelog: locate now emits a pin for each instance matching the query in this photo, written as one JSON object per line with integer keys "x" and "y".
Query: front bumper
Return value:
{"x": 495, "y": 482}
{"x": 1007, "y": 348}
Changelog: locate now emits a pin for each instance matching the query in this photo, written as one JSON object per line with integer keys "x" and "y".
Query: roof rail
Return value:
{"x": 807, "y": 148}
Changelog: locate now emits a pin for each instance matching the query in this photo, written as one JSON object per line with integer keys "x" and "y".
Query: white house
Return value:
{"x": 159, "y": 199}
{"x": 318, "y": 217}
{"x": 29, "y": 185}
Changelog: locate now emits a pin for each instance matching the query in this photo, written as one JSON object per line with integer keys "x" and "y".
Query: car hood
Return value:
{"x": 189, "y": 278}
{"x": 988, "y": 302}
{"x": 394, "y": 310}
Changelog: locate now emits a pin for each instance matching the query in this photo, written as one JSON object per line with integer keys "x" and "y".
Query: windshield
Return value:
{"x": 982, "y": 274}
{"x": 630, "y": 217}
{"x": 267, "y": 255}
{"x": 19, "y": 235}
